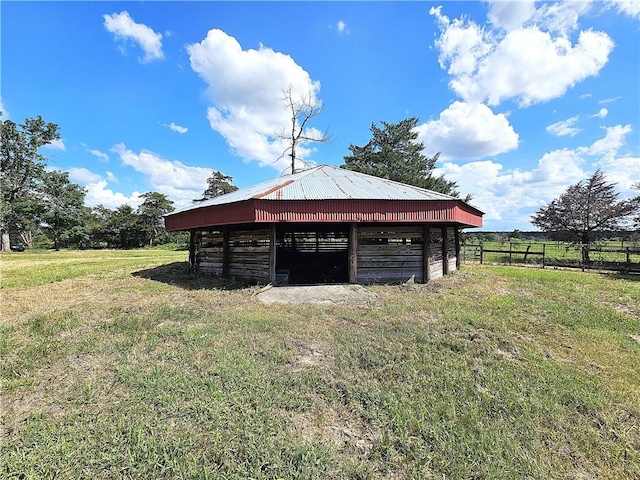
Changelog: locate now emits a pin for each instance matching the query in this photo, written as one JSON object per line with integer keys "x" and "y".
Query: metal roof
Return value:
{"x": 324, "y": 182}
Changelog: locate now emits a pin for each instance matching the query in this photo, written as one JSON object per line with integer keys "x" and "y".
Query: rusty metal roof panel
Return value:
{"x": 324, "y": 183}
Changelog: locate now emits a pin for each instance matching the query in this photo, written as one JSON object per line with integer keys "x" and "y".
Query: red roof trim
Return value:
{"x": 328, "y": 211}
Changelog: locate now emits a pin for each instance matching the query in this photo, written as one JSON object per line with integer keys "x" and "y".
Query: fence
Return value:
{"x": 556, "y": 254}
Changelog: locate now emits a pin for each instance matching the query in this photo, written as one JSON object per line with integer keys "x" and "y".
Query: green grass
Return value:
{"x": 32, "y": 269}
{"x": 141, "y": 370}
{"x": 556, "y": 253}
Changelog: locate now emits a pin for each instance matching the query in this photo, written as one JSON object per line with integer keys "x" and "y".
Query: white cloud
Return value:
{"x": 517, "y": 193}
{"x": 601, "y": 114}
{"x": 180, "y": 182}
{"x": 532, "y": 61}
{"x": 609, "y": 100}
{"x": 177, "y": 128}
{"x": 125, "y": 28}
{"x": 111, "y": 177}
{"x": 585, "y": 95}
{"x": 468, "y": 130}
{"x": 246, "y": 92}
{"x": 56, "y": 145}
{"x": 510, "y": 15}
{"x": 564, "y": 127}
{"x": 342, "y": 27}
{"x": 103, "y": 157}
{"x": 83, "y": 175}
{"x": 611, "y": 143}
{"x": 99, "y": 194}
{"x": 626, "y": 7}
{"x": 4, "y": 114}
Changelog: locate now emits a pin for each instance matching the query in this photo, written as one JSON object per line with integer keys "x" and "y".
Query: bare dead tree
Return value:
{"x": 302, "y": 111}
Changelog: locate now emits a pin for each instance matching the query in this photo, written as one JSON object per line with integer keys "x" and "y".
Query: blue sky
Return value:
{"x": 522, "y": 99}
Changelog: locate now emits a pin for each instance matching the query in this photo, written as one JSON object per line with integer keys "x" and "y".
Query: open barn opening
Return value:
{"x": 308, "y": 254}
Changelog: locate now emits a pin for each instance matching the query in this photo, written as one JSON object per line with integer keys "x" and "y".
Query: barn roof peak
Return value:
{"x": 325, "y": 182}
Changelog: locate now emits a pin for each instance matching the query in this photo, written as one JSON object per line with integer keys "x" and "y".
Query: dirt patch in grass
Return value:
{"x": 340, "y": 429}
{"x": 311, "y": 353}
{"x": 319, "y": 294}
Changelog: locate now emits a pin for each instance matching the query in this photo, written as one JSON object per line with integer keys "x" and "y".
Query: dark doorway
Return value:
{"x": 313, "y": 254}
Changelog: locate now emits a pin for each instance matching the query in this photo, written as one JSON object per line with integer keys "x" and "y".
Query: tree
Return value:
{"x": 21, "y": 166}
{"x": 151, "y": 211}
{"x": 62, "y": 211}
{"x": 583, "y": 209}
{"x": 128, "y": 226}
{"x": 393, "y": 153}
{"x": 217, "y": 184}
{"x": 303, "y": 109}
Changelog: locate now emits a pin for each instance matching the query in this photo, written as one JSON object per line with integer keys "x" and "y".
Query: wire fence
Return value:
{"x": 554, "y": 254}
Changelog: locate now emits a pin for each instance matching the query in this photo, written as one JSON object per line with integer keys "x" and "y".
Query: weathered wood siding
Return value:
{"x": 209, "y": 252}
{"x": 389, "y": 254}
{"x": 435, "y": 264}
{"x": 451, "y": 248}
{"x": 249, "y": 254}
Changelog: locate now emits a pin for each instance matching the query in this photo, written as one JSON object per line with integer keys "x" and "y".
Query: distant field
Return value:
{"x": 122, "y": 365}
{"x": 555, "y": 253}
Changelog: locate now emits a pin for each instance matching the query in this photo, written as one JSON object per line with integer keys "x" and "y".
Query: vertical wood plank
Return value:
{"x": 272, "y": 253}
{"x": 445, "y": 251}
{"x": 353, "y": 253}
{"x": 457, "y": 236}
{"x": 426, "y": 253}
{"x": 192, "y": 250}
{"x": 226, "y": 251}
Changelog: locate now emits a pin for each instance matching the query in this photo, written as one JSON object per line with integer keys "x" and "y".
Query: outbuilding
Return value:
{"x": 327, "y": 225}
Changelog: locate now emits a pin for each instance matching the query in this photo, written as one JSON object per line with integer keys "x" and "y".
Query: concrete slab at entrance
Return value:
{"x": 318, "y": 294}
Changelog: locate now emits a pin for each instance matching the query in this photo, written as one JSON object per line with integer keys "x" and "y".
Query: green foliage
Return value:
{"x": 585, "y": 208}
{"x": 217, "y": 184}
{"x": 151, "y": 212}
{"x": 62, "y": 210}
{"x": 394, "y": 154}
{"x": 21, "y": 167}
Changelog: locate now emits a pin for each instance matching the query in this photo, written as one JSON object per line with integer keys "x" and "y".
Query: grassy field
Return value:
{"x": 556, "y": 253}
{"x": 123, "y": 365}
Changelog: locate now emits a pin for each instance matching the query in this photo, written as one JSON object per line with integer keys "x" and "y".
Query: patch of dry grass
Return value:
{"x": 151, "y": 372}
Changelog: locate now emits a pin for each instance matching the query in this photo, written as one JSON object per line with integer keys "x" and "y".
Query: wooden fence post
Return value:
{"x": 544, "y": 251}
{"x": 481, "y": 251}
{"x": 353, "y": 253}
{"x": 426, "y": 253}
{"x": 192, "y": 250}
{"x": 226, "y": 251}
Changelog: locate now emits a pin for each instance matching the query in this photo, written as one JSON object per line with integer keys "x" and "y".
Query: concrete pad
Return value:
{"x": 318, "y": 294}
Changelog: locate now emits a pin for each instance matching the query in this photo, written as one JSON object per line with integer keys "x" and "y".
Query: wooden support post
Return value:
{"x": 226, "y": 251}
{"x": 426, "y": 253}
{"x": 192, "y": 250}
{"x": 510, "y": 253}
{"x": 353, "y": 253}
{"x": 272, "y": 253}
{"x": 445, "y": 251}
{"x": 457, "y": 237}
{"x": 544, "y": 251}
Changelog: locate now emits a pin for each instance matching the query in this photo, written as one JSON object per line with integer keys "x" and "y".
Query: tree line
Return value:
{"x": 40, "y": 202}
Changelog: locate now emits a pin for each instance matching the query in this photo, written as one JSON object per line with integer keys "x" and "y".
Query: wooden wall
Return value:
{"x": 451, "y": 248}
{"x": 387, "y": 254}
{"x": 437, "y": 255}
{"x": 209, "y": 251}
{"x": 248, "y": 253}
{"x": 384, "y": 253}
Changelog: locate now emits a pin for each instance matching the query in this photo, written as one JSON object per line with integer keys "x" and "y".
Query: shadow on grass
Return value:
{"x": 178, "y": 274}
